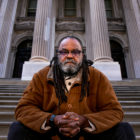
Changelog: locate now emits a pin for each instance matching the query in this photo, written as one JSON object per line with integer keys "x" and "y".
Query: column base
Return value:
{"x": 110, "y": 69}
{"x": 29, "y": 68}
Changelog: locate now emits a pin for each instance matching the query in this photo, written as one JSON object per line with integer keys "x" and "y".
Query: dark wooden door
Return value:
{"x": 118, "y": 55}
{"x": 23, "y": 54}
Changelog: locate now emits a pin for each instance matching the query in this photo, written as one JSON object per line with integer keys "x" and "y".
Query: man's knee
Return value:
{"x": 16, "y": 131}
{"x": 125, "y": 131}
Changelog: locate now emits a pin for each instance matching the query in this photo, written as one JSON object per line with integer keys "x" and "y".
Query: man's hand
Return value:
{"x": 68, "y": 127}
{"x": 70, "y": 123}
{"x": 83, "y": 121}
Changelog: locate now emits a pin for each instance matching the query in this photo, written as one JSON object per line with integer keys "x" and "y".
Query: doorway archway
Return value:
{"x": 23, "y": 54}
{"x": 118, "y": 55}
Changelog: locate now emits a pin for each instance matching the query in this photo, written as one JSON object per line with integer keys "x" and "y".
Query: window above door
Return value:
{"x": 70, "y": 8}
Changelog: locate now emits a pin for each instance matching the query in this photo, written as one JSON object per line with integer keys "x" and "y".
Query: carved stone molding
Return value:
{"x": 116, "y": 24}
{"x": 70, "y": 26}
{"x": 24, "y": 26}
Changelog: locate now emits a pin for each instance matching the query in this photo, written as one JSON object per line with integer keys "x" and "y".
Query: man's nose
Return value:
{"x": 70, "y": 55}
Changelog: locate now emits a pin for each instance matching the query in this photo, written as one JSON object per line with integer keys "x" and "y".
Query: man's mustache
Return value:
{"x": 69, "y": 61}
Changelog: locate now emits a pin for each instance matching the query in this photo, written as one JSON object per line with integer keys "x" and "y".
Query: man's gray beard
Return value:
{"x": 70, "y": 70}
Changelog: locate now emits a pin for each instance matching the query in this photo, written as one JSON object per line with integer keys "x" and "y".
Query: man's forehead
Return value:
{"x": 70, "y": 42}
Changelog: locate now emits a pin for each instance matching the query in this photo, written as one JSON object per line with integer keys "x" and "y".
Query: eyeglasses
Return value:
{"x": 64, "y": 53}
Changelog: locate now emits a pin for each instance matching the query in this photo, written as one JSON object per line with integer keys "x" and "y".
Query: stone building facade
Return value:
{"x": 109, "y": 30}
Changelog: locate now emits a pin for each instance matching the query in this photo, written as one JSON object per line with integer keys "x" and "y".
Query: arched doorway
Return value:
{"x": 23, "y": 54}
{"x": 118, "y": 55}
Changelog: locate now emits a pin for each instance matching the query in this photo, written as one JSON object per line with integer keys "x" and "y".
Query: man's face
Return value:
{"x": 70, "y": 56}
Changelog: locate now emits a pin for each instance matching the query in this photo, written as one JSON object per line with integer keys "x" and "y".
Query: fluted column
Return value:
{"x": 41, "y": 31}
{"x": 61, "y": 8}
{"x": 43, "y": 40}
{"x": 97, "y": 39}
{"x": 132, "y": 18}
{"x": 78, "y": 8}
{"x": 0, "y": 3}
{"x": 7, "y": 20}
{"x": 99, "y": 29}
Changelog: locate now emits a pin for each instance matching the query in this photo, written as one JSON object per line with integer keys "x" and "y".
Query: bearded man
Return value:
{"x": 69, "y": 100}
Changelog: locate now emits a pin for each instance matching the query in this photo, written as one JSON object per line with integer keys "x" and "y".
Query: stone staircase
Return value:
{"x": 128, "y": 93}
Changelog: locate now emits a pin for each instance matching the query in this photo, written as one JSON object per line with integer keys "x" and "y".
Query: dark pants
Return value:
{"x": 122, "y": 131}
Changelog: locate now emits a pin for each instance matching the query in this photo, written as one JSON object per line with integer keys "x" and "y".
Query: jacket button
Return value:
{"x": 69, "y": 106}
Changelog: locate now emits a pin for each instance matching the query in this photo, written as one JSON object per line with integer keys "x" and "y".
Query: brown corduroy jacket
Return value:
{"x": 39, "y": 102}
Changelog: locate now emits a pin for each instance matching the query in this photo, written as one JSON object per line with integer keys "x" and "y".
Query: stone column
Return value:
{"x": 23, "y": 8}
{"x": 78, "y": 8}
{"x": 100, "y": 41}
{"x": 132, "y": 18}
{"x": 42, "y": 25}
{"x": 99, "y": 31}
{"x": 0, "y": 3}
{"x": 7, "y": 20}
{"x": 61, "y": 8}
{"x": 43, "y": 39}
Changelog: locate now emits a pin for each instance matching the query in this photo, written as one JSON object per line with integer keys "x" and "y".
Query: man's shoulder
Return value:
{"x": 97, "y": 74}
{"x": 44, "y": 71}
{"x": 93, "y": 70}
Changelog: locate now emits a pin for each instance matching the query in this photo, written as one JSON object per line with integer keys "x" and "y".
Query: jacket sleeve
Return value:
{"x": 108, "y": 109}
{"x": 28, "y": 110}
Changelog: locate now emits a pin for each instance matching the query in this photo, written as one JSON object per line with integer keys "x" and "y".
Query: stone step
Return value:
{"x": 13, "y": 81}
{"x": 130, "y": 103}
{"x": 14, "y": 96}
{"x": 127, "y": 87}
{"x": 16, "y": 81}
{"x": 3, "y": 137}
{"x": 128, "y": 116}
{"x": 7, "y": 108}
{"x": 12, "y": 91}
{"x": 10, "y": 97}
{"x": 128, "y": 98}
{"x": 137, "y": 137}
{"x": 4, "y": 127}
{"x": 136, "y": 127}
{"x": 12, "y": 86}
{"x": 11, "y": 94}
{"x": 127, "y": 94}
{"x": 132, "y": 116}
{"x": 8, "y": 102}
{"x": 7, "y": 116}
{"x": 131, "y": 108}
{"x": 125, "y": 91}
{"x": 118, "y": 94}
{"x": 125, "y": 108}
{"x": 123, "y": 103}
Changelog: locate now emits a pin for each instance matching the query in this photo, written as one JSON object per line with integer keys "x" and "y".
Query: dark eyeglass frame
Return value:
{"x": 65, "y": 52}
